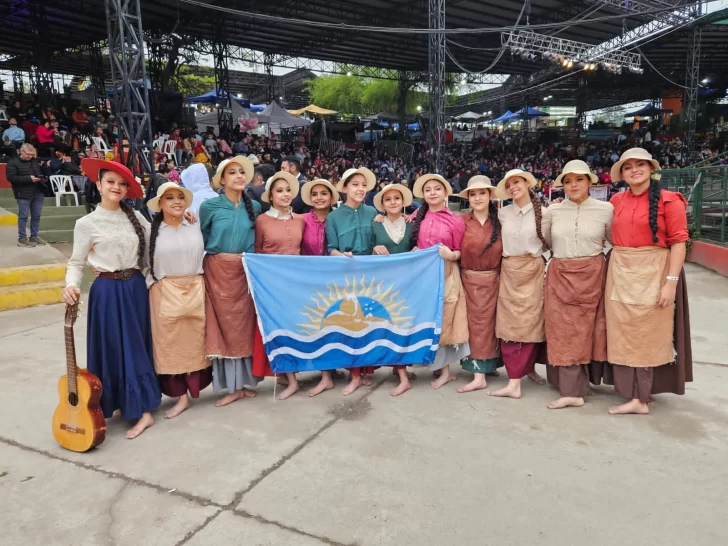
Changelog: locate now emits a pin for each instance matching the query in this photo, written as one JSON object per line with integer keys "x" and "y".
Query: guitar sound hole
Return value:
{"x": 73, "y": 399}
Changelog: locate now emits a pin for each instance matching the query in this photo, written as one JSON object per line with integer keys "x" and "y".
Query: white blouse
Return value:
{"x": 578, "y": 231}
{"x": 106, "y": 240}
{"x": 177, "y": 252}
{"x": 518, "y": 231}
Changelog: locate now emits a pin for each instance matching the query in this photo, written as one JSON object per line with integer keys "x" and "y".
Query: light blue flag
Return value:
{"x": 328, "y": 312}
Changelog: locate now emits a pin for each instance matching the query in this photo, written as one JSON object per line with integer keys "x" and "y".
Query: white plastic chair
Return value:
{"x": 101, "y": 145}
{"x": 3, "y": 114}
{"x": 63, "y": 185}
{"x": 169, "y": 150}
{"x": 159, "y": 143}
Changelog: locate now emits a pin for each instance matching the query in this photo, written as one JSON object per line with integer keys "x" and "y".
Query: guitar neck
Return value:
{"x": 71, "y": 367}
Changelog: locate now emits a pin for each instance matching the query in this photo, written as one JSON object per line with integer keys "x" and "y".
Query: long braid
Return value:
{"x": 537, "y": 212}
{"x": 139, "y": 231}
{"x": 156, "y": 223}
{"x": 251, "y": 211}
{"x": 416, "y": 224}
{"x": 654, "y": 196}
{"x": 495, "y": 224}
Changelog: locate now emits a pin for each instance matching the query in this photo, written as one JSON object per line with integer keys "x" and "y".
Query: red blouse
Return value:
{"x": 631, "y": 227}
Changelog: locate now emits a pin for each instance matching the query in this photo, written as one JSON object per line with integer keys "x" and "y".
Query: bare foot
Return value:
{"x": 401, "y": 388}
{"x": 566, "y": 402}
{"x": 282, "y": 380}
{"x": 230, "y": 398}
{"x": 410, "y": 375}
{"x": 183, "y": 402}
{"x": 477, "y": 384}
{"x": 144, "y": 423}
{"x": 292, "y": 388}
{"x": 366, "y": 381}
{"x": 354, "y": 384}
{"x": 116, "y": 413}
{"x": 250, "y": 393}
{"x": 511, "y": 390}
{"x": 444, "y": 379}
{"x": 633, "y": 406}
{"x": 325, "y": 384}
{"x": 437, "y": 373}
{"x": 533, "y": 376}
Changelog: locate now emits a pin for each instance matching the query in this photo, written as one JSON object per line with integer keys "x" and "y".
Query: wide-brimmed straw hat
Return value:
{"x": 478, "y": 182}
{"x": 308, "y": 187}
{"x": 500, "y": 189}
{"x": 254, "y": 159}
{"x": 154, "y": 205}
{"x": 366, "y": 173}
{"x": 288, "y": 177}
{"x": 404, "y": 190}
{"x": 422, "y": 180}
{"x": 632, "y": 153}
{"x": 241, "y": 160}
{"x": 575, "y": 166}
{"x": 93, "y": 167}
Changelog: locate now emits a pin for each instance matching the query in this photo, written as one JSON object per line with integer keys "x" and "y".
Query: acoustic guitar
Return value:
{"x": 78, "y": 422}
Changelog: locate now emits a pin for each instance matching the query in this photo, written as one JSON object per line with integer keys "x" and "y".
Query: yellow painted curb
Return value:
{"x": 8, "y": 219}
{"x": 18, "y": 297}
{"x": 32, "y": 274}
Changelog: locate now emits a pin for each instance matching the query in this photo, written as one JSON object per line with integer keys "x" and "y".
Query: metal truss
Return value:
{"x": 220, "y": 54}
{"x": 41, "y": 81}
{"x": 18, "y": 84}
{"x": 531, "y": 44}
{"x": 436, "y": 90}
{"x": 97, "y": 70}
{"x": 270, "y": 80}
{"x": 129, "y": 85}
{"x": 582, "y": 100}
{"x": 692, "y": 82}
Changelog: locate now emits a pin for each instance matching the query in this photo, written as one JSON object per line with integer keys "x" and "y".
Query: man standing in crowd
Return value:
{"x": 292, "y": 165}
{"x": 14, "y": 135}
{"x": 24, "y": 174}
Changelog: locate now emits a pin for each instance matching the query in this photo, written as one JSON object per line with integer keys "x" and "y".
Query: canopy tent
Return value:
{"x": 210, "y": 119}
{"x": 528, "y": 112}
{"x": 381, "y": 116}
{"x": 215, "y": 96}
{"x": 312, "y": 109}
{"x": 505, "y": 117}
{"x": 647, "y": 110}
{"x": 468, "y": 116}
{"x": 276, "y": 115}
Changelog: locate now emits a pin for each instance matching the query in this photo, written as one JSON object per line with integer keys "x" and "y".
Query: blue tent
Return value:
{"x": 213, "y": 96}
{"x": 257, "y": 108}
{"x": 646, "y": 110}
{"x": 505, "y": 117}
{"x": 529, "y": 112}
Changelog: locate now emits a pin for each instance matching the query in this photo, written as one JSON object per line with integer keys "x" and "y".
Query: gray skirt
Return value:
{"x": 448, "y": 354}
{"x": 232, "y": 374}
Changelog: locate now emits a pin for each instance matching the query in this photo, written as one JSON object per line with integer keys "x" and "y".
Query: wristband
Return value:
{"x": 671, "y": 278}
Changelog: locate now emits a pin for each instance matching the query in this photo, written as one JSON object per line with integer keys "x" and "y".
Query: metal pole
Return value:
{"x": 436, "y": 129}
{"x": 220, "y": 56}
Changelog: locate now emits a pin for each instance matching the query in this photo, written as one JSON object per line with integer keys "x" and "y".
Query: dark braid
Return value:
{"x": 654, "y": 196}
{"x": 156, "y": 222}
{"x": 495, "y": 224}
{"x": 249, "y": 207}
{"x": 537, "y": 212}
{"x": 139, "y": 231}
{"x": 416, "y": 224}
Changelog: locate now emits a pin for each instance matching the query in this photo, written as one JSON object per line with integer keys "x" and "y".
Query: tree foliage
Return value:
{"x": 193, "y": 81}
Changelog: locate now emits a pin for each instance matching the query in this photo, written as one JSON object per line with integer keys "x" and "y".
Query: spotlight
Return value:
{"x": 348, "y": 73}
{"x": 705, "y": 81}
{"x": 419, "y": 108}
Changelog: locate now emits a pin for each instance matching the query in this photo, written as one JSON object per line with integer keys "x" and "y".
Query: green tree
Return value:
{"x": 193, "y": 81}
{"x": 341, "y": 93}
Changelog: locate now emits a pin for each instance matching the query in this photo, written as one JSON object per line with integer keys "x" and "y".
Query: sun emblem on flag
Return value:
{"x": 355, "y": 306}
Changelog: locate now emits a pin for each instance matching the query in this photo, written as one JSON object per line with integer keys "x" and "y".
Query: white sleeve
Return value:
{"x": 82, "y": 243}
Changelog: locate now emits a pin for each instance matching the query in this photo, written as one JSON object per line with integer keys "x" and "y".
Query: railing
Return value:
{"x": 706, "y": 189}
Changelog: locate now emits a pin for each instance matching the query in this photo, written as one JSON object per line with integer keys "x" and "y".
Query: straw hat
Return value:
{"x": 479, "y": 182}
{"x": 422, "y": 180}
{"x": 254, "y": 159}
{"x": 632, "y": 153}
{"x": 309, "y": 186}
{"x": 241, "y": 160}
{"x": 576, "y": 166}
{"x": 500, "y": 189}
{"x": 404, "y": 190}
{"x": 366, "y": 173}
{"x": 288, "y": 177}
{"x": 93, "y": 167}
{"x": 153, "y": 204}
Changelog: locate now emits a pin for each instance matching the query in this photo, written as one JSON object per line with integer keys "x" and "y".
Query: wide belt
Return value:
{"x": 123, "y": 275}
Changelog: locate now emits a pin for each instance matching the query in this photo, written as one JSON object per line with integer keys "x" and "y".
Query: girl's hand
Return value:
{"x": 70, "y": 295}
{"x": 379, "y": 218}
{"x": 95, "y": 271}
{"x": 348, "y": 254}
{"x": 445, "y": 253}
{"x": 667, "y": 294}
{"x": 380, "y": 250}
{"x": 190, "y": 217}
{"x": 411, "y": 218}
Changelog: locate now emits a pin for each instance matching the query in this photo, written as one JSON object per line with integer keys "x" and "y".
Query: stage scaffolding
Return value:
{"x": 436, "y": 89}
{"x": 220, "y": 56}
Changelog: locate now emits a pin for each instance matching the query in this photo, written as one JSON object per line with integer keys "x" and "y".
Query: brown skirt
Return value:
{"x": 177, "y": 306}
{"x": 574, "y": 311}
{"x": 519, "y": 315}
{"x": 481, "y": 293}
{"x": 230, "y": 324}
{"x": 454, "y": 309}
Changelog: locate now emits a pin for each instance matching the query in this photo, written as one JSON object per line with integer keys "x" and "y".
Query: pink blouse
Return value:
{"x": 441, "y": 227}
{"x": 314, "y": 233}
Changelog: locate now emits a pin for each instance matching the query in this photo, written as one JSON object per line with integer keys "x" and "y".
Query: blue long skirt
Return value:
{"x": 119, "y": 346}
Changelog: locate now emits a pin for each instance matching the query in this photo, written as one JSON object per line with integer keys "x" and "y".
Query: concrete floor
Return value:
{"x": 429, "y": 468}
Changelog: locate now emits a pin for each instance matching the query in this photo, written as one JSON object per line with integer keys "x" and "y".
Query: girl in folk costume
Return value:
{"x": 119, "y": 342}
{"x": 480, "y": 261}
{"x": 519, "y": 317}
{"x": 393, "y": 236}
{"x": 645, "y": 294}
{"x": 577, "y": 231}
{"x": 349, "y": 233}
{"x": 177, "y": 298}
{"x": 228, "y": 230}
{"x": 277, "y": 231}
{"x": 436, "y": 224}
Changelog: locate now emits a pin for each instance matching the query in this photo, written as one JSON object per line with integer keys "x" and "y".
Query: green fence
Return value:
{"x": 706, "y": 189}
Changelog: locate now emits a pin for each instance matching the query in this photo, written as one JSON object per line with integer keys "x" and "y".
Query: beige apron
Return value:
{"x": 520, "y": 312}
{"x": 177, "y": 306}
{"x": 639, "y": 333}
{"x": 454, "y": 310}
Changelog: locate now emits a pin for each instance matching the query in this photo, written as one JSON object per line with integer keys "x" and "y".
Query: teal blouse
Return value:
{"x": 350, "y": 230}
{"x": 227, "y": 228}
{"x": 381, "y": 237}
